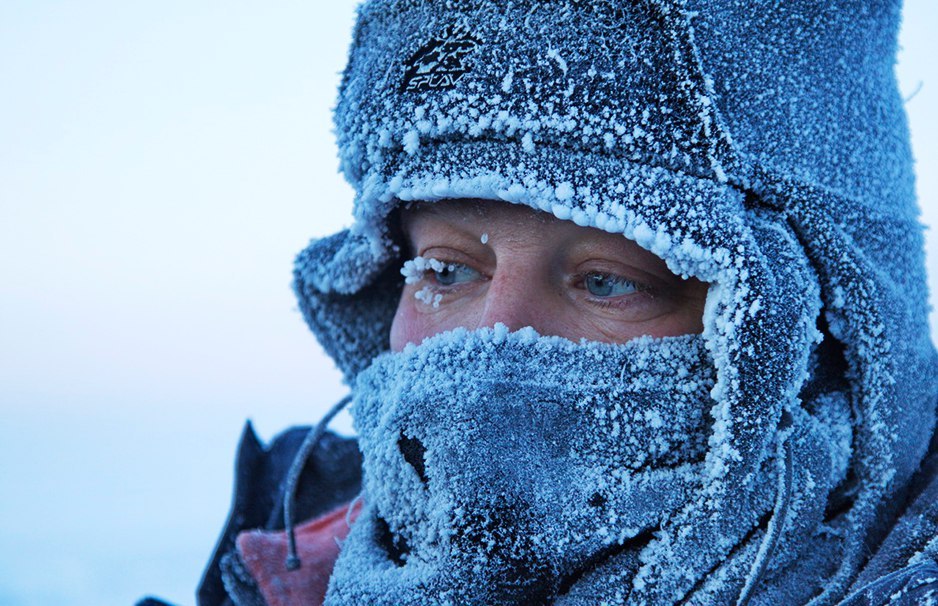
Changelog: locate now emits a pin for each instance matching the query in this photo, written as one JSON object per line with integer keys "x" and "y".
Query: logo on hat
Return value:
{"x": 442, "y": 62}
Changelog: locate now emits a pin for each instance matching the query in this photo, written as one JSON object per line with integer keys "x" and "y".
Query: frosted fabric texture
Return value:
{"x": 762, "y": 149}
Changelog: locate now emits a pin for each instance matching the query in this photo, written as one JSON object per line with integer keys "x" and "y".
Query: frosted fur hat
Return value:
{"x": 761, "y": 149}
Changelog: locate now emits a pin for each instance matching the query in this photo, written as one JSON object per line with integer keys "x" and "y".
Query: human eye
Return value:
{"x": 605, "y": 285}
{"x": 454, "y": 273}
{"x": 436, "y": 278}
{"x": 442, "y": 273}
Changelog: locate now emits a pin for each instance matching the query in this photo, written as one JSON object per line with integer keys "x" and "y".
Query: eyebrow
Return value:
{"x": 418, "y": 217}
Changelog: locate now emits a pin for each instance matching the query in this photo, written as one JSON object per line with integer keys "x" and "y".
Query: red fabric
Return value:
{"x": 317, "y": 543}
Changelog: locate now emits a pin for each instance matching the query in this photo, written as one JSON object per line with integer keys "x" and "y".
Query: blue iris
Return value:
{"x": 455, "y": 273}
{"x": 604, "y": 285}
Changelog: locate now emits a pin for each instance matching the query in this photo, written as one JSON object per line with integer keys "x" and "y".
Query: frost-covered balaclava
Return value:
{"x": 762, "y": 149}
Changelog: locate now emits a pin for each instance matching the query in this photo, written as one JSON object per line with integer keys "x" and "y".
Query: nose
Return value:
{"x": 517, "y": 301}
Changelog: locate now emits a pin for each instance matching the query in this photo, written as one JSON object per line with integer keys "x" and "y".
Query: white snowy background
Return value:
{"x": 160, "y": 165}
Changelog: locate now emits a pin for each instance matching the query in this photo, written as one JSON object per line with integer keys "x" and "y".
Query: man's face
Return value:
{"x": 499, "y": 262}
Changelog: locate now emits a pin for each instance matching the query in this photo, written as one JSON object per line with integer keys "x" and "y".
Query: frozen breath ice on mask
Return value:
{"x": 476, "y": 415}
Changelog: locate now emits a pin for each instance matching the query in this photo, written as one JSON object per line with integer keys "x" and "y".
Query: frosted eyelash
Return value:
{"x": 414, "y": 269}
{"x": 426, "y": 295}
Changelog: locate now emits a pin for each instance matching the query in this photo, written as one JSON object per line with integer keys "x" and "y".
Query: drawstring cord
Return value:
{"x": 293, "y": 477}
{"x": 774, "y": 530}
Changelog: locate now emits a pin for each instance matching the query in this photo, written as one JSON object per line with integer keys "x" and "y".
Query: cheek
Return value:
{"x": 549, "y": 315}
{"x": 414, "y": 321}
{"x": 657, "y": 319}
{"x": 403, "y": 327}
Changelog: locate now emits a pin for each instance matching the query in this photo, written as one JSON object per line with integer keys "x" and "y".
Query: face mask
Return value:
{"x": 511, "y": 468}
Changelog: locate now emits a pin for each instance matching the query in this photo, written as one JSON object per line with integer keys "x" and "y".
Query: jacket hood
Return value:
{"x": 764, "y": 151}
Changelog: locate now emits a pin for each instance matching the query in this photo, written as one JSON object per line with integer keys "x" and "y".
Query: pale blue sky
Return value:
{"x": 160, "y": 165}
